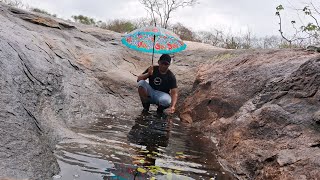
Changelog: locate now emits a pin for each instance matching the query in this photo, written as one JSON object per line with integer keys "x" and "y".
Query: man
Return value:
{"x": 162, "y": 88}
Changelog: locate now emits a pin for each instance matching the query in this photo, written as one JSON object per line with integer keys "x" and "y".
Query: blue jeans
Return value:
{"x": 156, "y": 97}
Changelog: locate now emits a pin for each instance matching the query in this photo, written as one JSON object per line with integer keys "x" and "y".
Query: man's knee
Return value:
{"x": 142, "y": 83}
{"x": 165, "y": 101}
{"x": 143, "y": 90}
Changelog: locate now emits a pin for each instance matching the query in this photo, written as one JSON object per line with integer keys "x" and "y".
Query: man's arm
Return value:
{"x": 174, "y": 98}
{"x": 145, "y": 75}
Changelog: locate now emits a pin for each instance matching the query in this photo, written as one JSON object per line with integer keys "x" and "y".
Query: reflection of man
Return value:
{"x": 152, "y": 134}
{"x": 162, "y": 82}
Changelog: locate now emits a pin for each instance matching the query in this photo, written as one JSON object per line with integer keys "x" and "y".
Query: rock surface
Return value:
{"x": 56, "y": 75}
{"x": 259, "y": 106}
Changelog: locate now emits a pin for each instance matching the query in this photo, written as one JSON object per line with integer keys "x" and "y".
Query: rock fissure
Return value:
{"x": 27, "y": 72}
{"x": 36, "y": 122}
{"x": 45, "y": 52}
{"x": 130, "y": 63}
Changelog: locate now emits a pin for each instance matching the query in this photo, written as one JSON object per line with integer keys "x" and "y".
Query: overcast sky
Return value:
{"x": 237, "y": 15}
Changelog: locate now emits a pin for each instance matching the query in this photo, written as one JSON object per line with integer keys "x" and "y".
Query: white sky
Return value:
{"x": 229, "y": 15}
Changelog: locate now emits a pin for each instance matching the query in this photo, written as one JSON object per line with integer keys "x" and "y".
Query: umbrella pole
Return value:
{"x": 154, "y": 41}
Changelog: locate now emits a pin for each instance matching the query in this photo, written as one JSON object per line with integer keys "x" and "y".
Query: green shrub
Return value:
{"x": 42, "y": 12}
{"x": 84, "y": 20}
{"x": 121, "y": 26}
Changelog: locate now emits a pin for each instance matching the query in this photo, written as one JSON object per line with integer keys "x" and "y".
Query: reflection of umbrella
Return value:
{"x": 154, "y": 40}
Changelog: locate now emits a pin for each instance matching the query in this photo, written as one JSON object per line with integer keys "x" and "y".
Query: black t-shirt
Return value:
{"x": 162, "y": 82}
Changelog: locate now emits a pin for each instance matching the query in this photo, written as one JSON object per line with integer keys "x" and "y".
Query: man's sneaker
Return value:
{"x": 160, "y": 109}
{"x": 144, "y": 112}
{"x": 146, "y": 107}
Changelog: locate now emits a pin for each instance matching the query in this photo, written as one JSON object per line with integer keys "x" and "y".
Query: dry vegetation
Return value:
{"x": 307, "y": 34}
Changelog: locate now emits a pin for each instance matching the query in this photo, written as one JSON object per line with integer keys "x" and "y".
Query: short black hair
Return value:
{"x": 165, "y": 57}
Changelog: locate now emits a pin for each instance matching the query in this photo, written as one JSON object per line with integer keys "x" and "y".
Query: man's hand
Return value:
{"x": 172, "y": 109}
{"x": 174, "y": 97}
{"x": 150, "y": 70}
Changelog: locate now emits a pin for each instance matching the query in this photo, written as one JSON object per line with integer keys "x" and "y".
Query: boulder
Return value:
{"x": 259, "y": 106}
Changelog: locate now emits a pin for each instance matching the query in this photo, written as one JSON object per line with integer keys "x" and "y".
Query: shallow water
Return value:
{"x": 138, "y": 147}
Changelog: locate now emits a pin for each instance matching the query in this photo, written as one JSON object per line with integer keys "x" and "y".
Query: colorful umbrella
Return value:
{"x": 154, "y": 40}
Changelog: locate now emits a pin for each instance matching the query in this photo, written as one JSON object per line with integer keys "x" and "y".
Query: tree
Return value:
{"x": 42, "y": 12}
{"x": 270, "y": 42}
{"x": 84, "y": 20}
{"x": 247, "y": 40}
{"x": 215, "y": 37}
{"x": 161, "y": 10}
{"x": 121, "y": 26}
{"x": 101, "y": 24}
{"x": 183, "y": 32}
{"x": 143, "y": 22}
{"x": 308, "y": 32}
{"x": 14, "y": 3}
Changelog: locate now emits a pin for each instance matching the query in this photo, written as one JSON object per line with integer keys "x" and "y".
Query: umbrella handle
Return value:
{"x": 154, "y": 41}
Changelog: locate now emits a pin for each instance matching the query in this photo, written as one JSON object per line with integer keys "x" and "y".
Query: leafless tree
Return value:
{"x": 143, "y": 22}
{"x": 101, "y": 24}
{"x": 309, "y": 30}
{"x": 161, "y": 10}
{"x": 183, "y": 32}
{"x": 247, "y": 40}
{"x": 214, "y": 37}
{"x": 14, "y": 3}
{"x": 270, "y": 42}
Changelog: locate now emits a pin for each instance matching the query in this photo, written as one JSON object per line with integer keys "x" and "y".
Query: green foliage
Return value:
{"x": 121, "y": 26}
{"x": 223, "y": 56}
{"x": 310, "y": 27}
{"x": 285, "y": 45}
{"x": 84, "y": 20}
{"x": 42, "y": 12}
{"x": 307, "y": 33}
{"x": 306, "y": 10}
{"x": 279, "y": 8}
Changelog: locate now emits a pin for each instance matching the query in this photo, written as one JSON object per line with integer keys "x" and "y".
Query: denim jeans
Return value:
{"x": 156, "y": 97}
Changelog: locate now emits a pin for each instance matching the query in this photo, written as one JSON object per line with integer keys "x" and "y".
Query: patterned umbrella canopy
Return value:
{"x": 154, "y": 40}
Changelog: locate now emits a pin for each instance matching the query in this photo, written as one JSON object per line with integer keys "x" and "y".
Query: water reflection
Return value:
{"x": 153, "y": 134}
{"x": 144, "y": 147}
{"x": 150, "y": 133}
